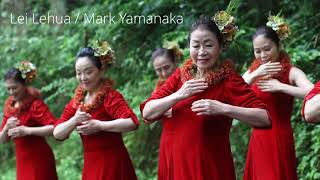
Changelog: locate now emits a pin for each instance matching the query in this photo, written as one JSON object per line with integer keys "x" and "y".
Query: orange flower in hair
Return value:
{"x": 104, "y": 52}
{"x": 27, "y": 69}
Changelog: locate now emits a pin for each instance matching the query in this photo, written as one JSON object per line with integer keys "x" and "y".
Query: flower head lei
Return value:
{"x": 279, "y": 26}
{"x": 226, "y": 25}
{"x": 27, "y": 69}
{"x": 103, "y": 51}
{"x": 173, "y": 45}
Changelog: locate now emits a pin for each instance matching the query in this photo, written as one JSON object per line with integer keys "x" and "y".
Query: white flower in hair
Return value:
{"x": 277, "y": 24}
{"x": 27, "y": 69}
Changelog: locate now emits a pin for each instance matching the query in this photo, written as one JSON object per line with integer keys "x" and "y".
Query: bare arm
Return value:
{"x": 249, "y": 77}
{"x": 63, "y": 130}
{"x": 263, "y": 70}
{"x": 41, "y": 131}
{"x": 301, "y": 84}
{"x": 12, "y": 122}
{"x": 299, "y": 88}
{"x": 253, "y": 116}
{"x": 3, "y": 135}
{"x": 117, "y": 125}
{"x": 312, "y": 110}
{"x": 21, "y": 131}
{"x": 154, "y": 109}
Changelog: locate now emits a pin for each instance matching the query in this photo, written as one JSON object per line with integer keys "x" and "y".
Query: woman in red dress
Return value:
{"x": 165, "y": 62}
{"x": 271, "y": 153}
{"x": 27, "y": 120}
{"x": 100, "y": 114}
{"x": 205, "y": 94}
{"x": 311, "y": 105}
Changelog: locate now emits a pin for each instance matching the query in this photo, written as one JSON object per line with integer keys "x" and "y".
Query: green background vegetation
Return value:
{"x": 53, "y": 48}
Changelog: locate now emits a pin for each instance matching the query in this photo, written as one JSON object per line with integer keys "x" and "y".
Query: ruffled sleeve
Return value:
{"x": 117, "y": 107}
{"x": 239, "y": 93}
{"x": 68, "y": 112}
{"x": 168, "y": 88}
{"x": 40, "y": 112}
{"x": 315, "y": 91}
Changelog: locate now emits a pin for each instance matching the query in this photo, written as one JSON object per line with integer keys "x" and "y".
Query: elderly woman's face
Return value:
{"x": 204, "y": 48}
{"x": 164, "y": 66}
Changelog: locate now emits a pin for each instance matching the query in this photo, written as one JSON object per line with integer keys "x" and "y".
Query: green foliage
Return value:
{"x": 53, "y": 48}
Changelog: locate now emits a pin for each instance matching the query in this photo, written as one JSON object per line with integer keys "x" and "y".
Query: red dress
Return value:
{"x": 197, "y": 147}
{"x": 105, "y": 155}
{"x": 34, "y": 157}
{"x": 271, "y": 153}
{"x": 315, "y": 91}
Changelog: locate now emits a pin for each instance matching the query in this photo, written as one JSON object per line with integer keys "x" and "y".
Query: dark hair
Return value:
{"x": 89, "y": 53}
{"x": 205, "y": 22}
{"x": 169, "y": 53}
{"x": 267, "y": 32}
{"x": 15, "y": 75}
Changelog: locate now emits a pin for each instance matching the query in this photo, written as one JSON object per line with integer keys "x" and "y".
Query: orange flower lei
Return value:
{"x": 98, "y": 100}
{"x": 31, "y": 94}
{"x": 159, "y": 83}
{"x": 284, "y": 60}
{"x": 189, "y": 70}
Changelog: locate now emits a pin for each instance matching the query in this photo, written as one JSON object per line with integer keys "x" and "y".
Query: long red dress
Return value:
{"x": 34, "y": 157}
{"x": 197, "y": 147}
{"x": 271, "y": 153}
{"x": 105, "y": 155}
{"x": 315, "y": 91}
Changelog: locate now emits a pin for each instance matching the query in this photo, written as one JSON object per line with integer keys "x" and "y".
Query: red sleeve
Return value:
{"x": 315, "y": 91}
{"x": 118, "y": 108}
{"x": 41, "y": 113}
{"x": 67, "y": 113}
{"x": 239, "y": 93}
{"x": 169, "y": 87}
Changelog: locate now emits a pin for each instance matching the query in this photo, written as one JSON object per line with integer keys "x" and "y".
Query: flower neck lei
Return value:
{"x": 159, "y": 83}
{"x": 30, "y": 95}
{"x": 212, "y": 77}
{"x": 80, "y": 94}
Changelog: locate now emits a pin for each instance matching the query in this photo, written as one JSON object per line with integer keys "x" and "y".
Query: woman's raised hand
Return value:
{"x": 12, "y": 123}
{"x": 81, "y": 116}
{"x": 192, "y": 87}
{"x": 208, "y": 107}
{"x": 269, "y": 68}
